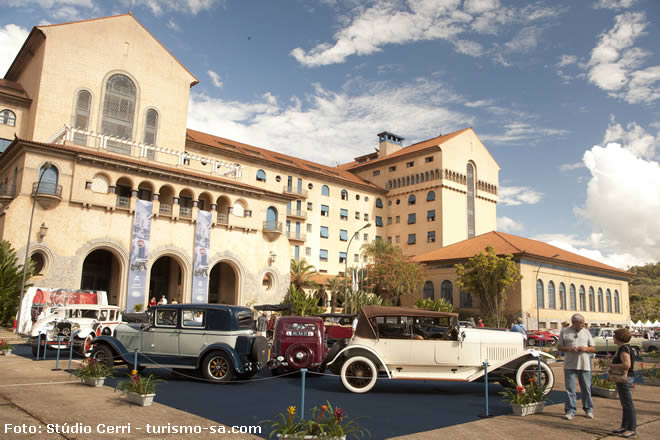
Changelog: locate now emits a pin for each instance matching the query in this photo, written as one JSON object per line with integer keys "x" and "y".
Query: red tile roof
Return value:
{"x": 510, "y": 244}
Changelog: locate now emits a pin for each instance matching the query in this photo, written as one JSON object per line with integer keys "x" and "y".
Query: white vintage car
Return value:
{"x": 405, "y": 343}
{"x": 82, "y": 322}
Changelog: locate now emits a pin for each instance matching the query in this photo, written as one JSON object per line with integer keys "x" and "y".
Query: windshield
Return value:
{"x": 594, "y": 331}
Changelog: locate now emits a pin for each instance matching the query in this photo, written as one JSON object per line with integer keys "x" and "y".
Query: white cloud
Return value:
{"x": 12, "y": 38}
{"x": 566, "y": 60}
{"x": 215, "y": 78}
{"x": 616, "y": 65}
{"x": 621, "y": 261}
{"x": 519, "y": 131}
{"x": 570, "y": 166}
{"x": 518, "y": 195}
{"x": 469, "y": 48}
{"x": 524, "y": 41}
{"x": 158, "y": 7}
{"x": 480, "y": 6}
{"x": 613, "y": 4}
{"x": 59, "y": 10}
{"x": 173, "y": 26}
{"x": 506, "y": 224}
{"x": 479, "y": 103}
{"x": 304, "y": 128}
{"x": 634, "y": 138}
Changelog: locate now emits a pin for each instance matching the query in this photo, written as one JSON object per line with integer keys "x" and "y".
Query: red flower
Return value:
{"x": 339, "y": 414}
{"x": 521, "y": 390}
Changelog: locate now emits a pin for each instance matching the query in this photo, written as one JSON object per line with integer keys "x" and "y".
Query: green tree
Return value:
{"x": 644, "y": 289}
{"x": 301, "y": 275}
{"x": 336, "y": 287}
{"x": 489, "y": 278}
{"x": 437, "y": 305}
{"x": 304, "y": 305}
{"x": 11, "y": 276}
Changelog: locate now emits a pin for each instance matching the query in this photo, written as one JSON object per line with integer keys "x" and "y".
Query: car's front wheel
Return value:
{"x": 531, "y": 342}
{"x": 359, "y": 374}
{"x": 103, "y": 354}
{"x": 86, "y": 346}
{"x": 217, "y": 367}
{"x": 529, "y": 371}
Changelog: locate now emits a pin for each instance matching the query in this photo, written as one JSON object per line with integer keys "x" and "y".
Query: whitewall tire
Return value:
{"x": 359, "y": 374}
{"x": 530, "y": 369}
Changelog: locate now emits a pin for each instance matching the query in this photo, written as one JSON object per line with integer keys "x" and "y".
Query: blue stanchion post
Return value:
{"x": 57, "y": 361}
{"x": 135, "y": 364}
{"x": 38, "y": 344}
{"x": 73, "y": 337}
{"x": 303, "y": 371}
{"x": 487, "y": 414}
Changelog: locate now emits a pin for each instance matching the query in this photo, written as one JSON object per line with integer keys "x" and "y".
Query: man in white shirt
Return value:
{"x": 577, "y": 344}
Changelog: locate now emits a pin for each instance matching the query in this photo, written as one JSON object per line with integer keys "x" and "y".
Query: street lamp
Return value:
{"x": 537, "y": 294}
{"x": 346, "y": 259}
{"x": 27, "y": 246}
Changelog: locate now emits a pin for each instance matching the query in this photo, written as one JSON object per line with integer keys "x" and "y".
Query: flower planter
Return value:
{"x": 6, "y": 352}
{"x": 650, "y": 360}
{"x": 140, "y": 399}
{"x": 604, "y": 392}
{"x": 527, "y": 409}
{"x": 650, "y": 381}
{"x": 93, "y": 381}
{"x": 308, "y": 437}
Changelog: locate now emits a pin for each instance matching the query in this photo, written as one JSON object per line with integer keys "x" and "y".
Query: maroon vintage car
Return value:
{"x": 298, "y": 342}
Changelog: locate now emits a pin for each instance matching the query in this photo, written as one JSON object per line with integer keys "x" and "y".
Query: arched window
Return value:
{"x": 379, "y": 203}
{"x": 344, "y": 194}
{"x": 430, "y": 196}
{"x": 583, "y": 299}
{"x": 608, "y": 300}
{"x": 150, "y": 127}
{"x": 428, "y": 290}
{"x": 617, "y": 304}
{"x": 48, "y": 183}
{"x": 119, "y": 111}
{"x": 412, "y": 199}
{"x": 447, "y": 291}
{"x": 552, "y": 304}
{"x": 271, "y": 218}
{"x": 592, "y": 300}
{"x": 600, "y": 300}
{"x": 466, "y": 299}
{"x": 81, "y": 118}
{"x": 562, "y": 297}
{"x": 8, "y": 117}
{"x": 540, "y": 297}
{"x": 573, "y": 298}
{"x": 470, "y": 201}
{"x": 261, "y": 175}
{"x": 100, "y": 184}
{"x": 325, "y": 191}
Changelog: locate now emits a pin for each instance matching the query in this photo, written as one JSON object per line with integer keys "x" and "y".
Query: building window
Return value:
{"x": 430, "y": 196}
{"x": 389, "y": 220}
{"x": 592, "y": 300}
{"x": 357, "y": 196}
{"x": 261, "y": 175}
{"x": 551, "y": 295}
{"x": 428, "y": 159}
{"x": 324, "y": 232}
{"x": 410, "y": 164}
{"x": 430, "y": 215}
{"x": 309, "y": 227}
{"x": 342, "y": 257}
{"x": 573, "y": 299}
{"x": 428, "y": 290}
{"x": 412, "y": 218}
{"x": 397, "y": 239}
{"x": 389, "y": 239}
{"x": 600, "y": 300}
{"x": 119, "y": 111}
{"x": 49, "y": 179}
{"x": 150, "y": 127}
{"x": 343, "y": 214}
{"x": 8, "y": 117}
{"x": 344, "y": 194}
{"x": 325, "y": 211}
{"x": 379, "y": 221}
{"x": 540, "y": 300}
{"x": 356, "y": 258}
{"x": 378, "y": 238}
{"x": 323, "y": 254}
{"x": 466, "y": 299}
{"x": 357, "y": 215}
{"x": 617, "y": 304}
{"x": 376, "y": 173}
{"x": 412, "y": 238}
{"x": 397, "y": 219}
{"x": 366, "y": 217}
{"x": 310, "y": 206}
{"x": 411, "y": 199}
{"x": 100, "y": 184}
{"x": 583, "y": 299}
{"x": 470, "y": 200}
{"x": 562, "y": 296}
{"x": 430, "y": 236}
{"x": 608, "y": 300}
{"x": 366, "y": 237}
{"x": 308, "y": 251}
{"x": 447, "y": 291}
{"x": 343, "y": 235}
{"x": 379, "y": 203}
{"x": 81, "y": 118}
{"x": 392, "y": 168}
{"x": 325, "y": 191}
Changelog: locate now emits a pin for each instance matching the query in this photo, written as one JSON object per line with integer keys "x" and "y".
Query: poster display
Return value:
{"x": 200, "y": 287}
{"x": 137, "y": 276}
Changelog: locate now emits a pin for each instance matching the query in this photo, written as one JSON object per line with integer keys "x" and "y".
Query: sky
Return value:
{"x": 565, "y": 94}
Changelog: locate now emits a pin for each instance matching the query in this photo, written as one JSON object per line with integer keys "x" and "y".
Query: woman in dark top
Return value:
{"x": 623, "y": 360}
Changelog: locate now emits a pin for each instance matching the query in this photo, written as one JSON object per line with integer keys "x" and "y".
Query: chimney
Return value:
{"x": 388, "y": 143}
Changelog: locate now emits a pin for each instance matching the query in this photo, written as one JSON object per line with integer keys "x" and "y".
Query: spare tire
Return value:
{"x": 260, "y": 351}
{"x": 298, "y": 356}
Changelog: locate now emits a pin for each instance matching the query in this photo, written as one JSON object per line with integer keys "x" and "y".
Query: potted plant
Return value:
{"x": 651, "y": 357}
{"x": 650, "y": 376}
{"x": 524, "y": 400}
{"x": 327, "y": 423}
{"x": 603, "y": 364}
{"x": 139, "y": 389}
{"x": 5, "y": 347}
{"x": 603, "y": 387}
{"x": 93, "y": 373}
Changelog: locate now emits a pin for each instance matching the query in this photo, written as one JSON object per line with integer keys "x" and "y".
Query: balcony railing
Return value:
{"x": 185, "y": 212}
{"x": 295, "y": 191}
{"x": 293, "y": 235}
{"x": 223, "y": 218}
{"x": 123, "y": 202}
{"x": 165, "y": 209}
{"x": 296, "y": 213}
{"x": 271, "y": 226}
{"x": 7, "y": 190}
{"x": 47, "y": 188}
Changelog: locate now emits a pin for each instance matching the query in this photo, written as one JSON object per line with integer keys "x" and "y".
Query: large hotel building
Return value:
{"x": 97, "y": 110}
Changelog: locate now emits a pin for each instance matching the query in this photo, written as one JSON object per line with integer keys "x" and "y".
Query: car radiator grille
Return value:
{"x": 500, "y": 353}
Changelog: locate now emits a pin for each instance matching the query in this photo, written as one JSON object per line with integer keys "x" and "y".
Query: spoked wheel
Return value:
{"x": 531, "y": 342}
{"x": 529, "y": 371}
{"x": 103, "y": 354}
{"x": 218, "y": 368}
{"x": 87, "y": 346}
{"x": 359, "y": 374}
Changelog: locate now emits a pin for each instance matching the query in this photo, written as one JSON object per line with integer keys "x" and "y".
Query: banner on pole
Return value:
{"x": 200, "y": 285}
{"x": 137, "y": 276}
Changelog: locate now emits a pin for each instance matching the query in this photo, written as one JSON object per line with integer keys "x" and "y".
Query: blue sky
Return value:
{"x": 565, "y": 94}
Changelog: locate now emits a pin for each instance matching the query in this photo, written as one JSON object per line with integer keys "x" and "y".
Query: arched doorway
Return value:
{"x": 166, "y": 280}
{"x": 102, "y": 271}
{"x": 223, "y": 284}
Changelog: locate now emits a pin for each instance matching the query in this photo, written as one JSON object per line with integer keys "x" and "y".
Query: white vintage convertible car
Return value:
{"x": 406, "y": 343}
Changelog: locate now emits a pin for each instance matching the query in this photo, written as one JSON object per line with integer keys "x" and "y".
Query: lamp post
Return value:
{"x": 27, "y": 246}
{"x": 537, "y": 294}
{"x": 346, "y": 259}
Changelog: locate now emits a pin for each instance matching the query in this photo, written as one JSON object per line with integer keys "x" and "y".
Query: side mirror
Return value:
{"x": 461, "y": 338}
{"x": 144, "y": 326}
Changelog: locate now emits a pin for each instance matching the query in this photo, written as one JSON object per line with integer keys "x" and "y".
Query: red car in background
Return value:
{"x": 298, "y": 342}
{"x": 541, "y": 338}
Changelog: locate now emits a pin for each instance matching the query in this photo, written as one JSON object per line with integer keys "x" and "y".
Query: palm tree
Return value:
{"x": 335, "y": 286}
{"x": 301, "y": 275}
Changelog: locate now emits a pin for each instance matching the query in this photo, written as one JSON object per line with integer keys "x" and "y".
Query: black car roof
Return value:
{"x": 202, "y": 306}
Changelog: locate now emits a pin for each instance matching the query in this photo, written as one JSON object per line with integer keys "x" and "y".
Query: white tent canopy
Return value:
{"x": 639, "y": 323}
{"x": 648, "y": 323}
{"x": 632, "y": 323}
{"x": 656, "y": 323}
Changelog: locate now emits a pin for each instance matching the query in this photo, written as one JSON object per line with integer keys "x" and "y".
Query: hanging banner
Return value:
{"x": 137, "y": 277}
{"x": 200, "y": 285}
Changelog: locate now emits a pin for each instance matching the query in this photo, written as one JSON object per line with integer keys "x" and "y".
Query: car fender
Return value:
{"x": 511, "y": 363}
{"x": 225, "y": 348}
{"x": 116, "y": 347}
{"x": 363, "y": 349}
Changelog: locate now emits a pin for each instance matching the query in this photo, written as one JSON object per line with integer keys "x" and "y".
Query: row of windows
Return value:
{"x": 323, "y": 256}
{"x": 343, "y": 213}
{"x": 413, "y": 179}
{"x": 343, "y": 233}
{"x": 409, "y": 164}
{"x": 412, "y": 238}
{"x": 447, "y": 293}
{"x": 604, "y": 302}
{"x": 8, "y": 117}
{"x": 412, "y": 218}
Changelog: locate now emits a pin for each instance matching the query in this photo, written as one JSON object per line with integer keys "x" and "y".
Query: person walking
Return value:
{"x": 576, "y": 342}
{"x": 622, "y": 361}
